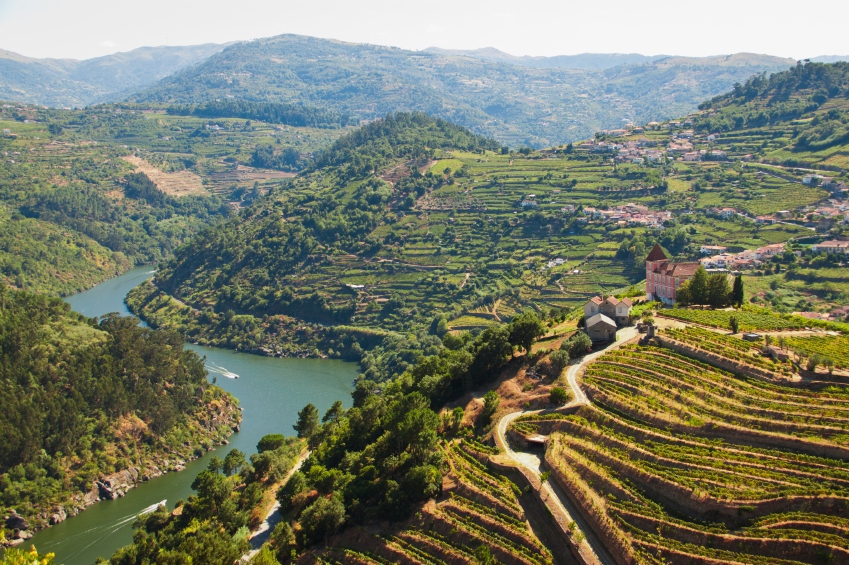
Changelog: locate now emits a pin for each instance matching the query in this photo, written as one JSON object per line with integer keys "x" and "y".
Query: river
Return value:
{"x": 271, "y": 391}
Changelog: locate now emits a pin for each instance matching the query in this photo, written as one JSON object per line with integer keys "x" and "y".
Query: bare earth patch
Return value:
{"x": 180, "y": 183}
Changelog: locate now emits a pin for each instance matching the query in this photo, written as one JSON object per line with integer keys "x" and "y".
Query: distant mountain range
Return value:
{"x": 535, "y": 101}
{"x": 597, "y": 61}
{"x": 69, "y": 82}
{"x": 516, "y": 104}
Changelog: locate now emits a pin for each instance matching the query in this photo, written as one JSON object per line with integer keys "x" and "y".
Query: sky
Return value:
{"x": 91, "y": 28}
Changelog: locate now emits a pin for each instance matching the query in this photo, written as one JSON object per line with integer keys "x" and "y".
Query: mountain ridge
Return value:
{"x": 74, "y": 82}
{"x": 517, "y": 105}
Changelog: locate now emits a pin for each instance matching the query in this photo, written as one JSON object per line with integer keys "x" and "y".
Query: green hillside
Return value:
{"x": 82, "y": 400}
{"x": 518, "y": 105}
{"x": 76, "y": 205}
{"x": 410, "y": 219}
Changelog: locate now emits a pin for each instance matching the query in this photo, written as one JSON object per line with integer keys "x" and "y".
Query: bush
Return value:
{"x": 559, "y": 359}
{"x": 577, "y": 345}
{"x": 558, "y": 396}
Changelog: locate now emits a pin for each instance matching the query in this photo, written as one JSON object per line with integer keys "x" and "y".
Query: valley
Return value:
{"x": 619, "y": 340}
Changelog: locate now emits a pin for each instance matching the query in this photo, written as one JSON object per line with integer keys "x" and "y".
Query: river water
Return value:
{"x": 270, "y": 390}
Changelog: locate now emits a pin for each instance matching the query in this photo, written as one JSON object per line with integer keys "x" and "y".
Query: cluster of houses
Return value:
{"x": 627, "y": 215}
{"x": 642, "y": 151}
{"x": 718, "y": 258}
{"x": 828, "y": 183}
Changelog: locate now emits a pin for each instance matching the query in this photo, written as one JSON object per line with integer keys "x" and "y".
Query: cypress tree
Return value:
{"x": 737, "y": 291}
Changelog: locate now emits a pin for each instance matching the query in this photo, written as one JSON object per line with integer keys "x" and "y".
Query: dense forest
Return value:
{"x": 287, "y": 114}
{"x": 81, "y": 399}
{"x": 213, "y": 526}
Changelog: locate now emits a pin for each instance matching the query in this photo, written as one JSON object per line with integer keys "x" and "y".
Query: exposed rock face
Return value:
{"x": 59, "y": 515}
{"x": 117, "y": 484}
{"x": 15, "y": 521}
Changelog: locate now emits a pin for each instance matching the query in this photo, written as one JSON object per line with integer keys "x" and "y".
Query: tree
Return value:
{"x": 524, "y": 330}
{"x": 307, "y": 422}
{"x": 457, "y": 418}
{"x": 558, "y": 396}
{"x": 334, "y": 413}
{"x": 270, "y": 442}
{"x": 234, "y": 462}
{"x": 737, "y": 291}
{"x": 490, "y": 405}
{"x": 718, "y": 293}
{"x": 282, "y": 540}
{"x": 699, "y": 286}
{"x": 577, "y": 345}
{"x": 558, "y": 359}
{"x": 322, "y": 518}
{"x": 734, "y": 324}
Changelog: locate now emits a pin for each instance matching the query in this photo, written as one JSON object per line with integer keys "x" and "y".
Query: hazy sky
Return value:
{"x": 89, "y": 28}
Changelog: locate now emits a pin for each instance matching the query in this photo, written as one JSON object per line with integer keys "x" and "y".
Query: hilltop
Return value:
{"x": 70, "y": 82}
{"x": 516, "y": 104}
{"x": 581, "y": 61}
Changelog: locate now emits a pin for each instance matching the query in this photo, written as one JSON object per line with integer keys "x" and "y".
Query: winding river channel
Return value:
{"x": 270, "y": 390}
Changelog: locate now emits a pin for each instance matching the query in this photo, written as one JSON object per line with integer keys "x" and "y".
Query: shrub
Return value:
{"x": 559, "y": 359}
{"x": 558, "y": 396}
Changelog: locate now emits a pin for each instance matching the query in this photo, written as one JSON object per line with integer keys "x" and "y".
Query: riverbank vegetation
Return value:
{"x": 83, "y": 399}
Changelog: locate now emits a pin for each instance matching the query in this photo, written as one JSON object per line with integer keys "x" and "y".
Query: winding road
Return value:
{"x": 591, "y": 551}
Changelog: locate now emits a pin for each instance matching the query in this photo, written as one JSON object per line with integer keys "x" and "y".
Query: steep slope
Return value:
{"x": 82, "y": 400}
{"x": 515, "y": 104}
{"x": 799, "y": 117}
{"x": 69, "y": 82}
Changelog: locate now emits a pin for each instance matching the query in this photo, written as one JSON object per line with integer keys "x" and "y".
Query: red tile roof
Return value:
{"x": 656, "y": 254}
{"x": 682, "y": 269}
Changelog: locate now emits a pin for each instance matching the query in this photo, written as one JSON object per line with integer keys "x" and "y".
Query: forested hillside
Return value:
{"x": 81, "y": 400}
{"x": 518, "y": 105}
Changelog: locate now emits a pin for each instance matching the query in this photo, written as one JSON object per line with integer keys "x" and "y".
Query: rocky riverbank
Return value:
{"x": 206, "y": 429}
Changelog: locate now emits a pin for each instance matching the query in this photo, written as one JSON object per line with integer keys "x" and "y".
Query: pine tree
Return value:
{"x": 307, "y": 421}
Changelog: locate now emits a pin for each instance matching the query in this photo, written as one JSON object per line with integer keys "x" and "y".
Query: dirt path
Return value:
{"x": 591, "y": 550}
{"x": 272, "y": 518}
{"x": 465, "y": 280}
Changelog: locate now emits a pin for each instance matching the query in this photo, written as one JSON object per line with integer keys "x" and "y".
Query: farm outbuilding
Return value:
{"x": 601, "y": 328}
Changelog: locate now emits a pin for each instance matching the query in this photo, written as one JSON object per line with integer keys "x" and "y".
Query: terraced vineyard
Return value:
{"x": 728, "y": 347}
{"x": 675, "y": 461}
{"x": 835, "y": 348}
{"x": 479, "y": 513}
{"x": 749, "y": 321}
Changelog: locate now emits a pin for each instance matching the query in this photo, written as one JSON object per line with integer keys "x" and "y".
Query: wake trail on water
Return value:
{"x": 113, "y": 527}
{"x": 213, "y": 368}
